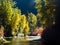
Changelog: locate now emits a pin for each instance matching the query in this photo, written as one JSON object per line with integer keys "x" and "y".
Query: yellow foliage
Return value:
{"x": 15, "y": 20}
{"x": 26, "y": 28}
{"x": 23, "y": 21}
{"x": 24, "y": 24}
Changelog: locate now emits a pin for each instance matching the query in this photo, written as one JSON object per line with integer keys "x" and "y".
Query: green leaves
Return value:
{"x": 32, "y": 20}
{"x": 45, "y": 15}
{"x": 12, "y": 16}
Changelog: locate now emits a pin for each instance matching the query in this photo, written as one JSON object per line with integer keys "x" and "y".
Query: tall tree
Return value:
{"x": 32, "y": 20}
{"x": 51, "y": 5}
{"x": 15, "y": 20}
{"x": 6, "y": 13}
{"x": 22, "y": 22}
{"x": 7, "y": 10}
{"x": 23, "y": 25}
{"x": 26, "y": 29}
{"x": 46, "y": 13}
{"x": 9, "y": 16}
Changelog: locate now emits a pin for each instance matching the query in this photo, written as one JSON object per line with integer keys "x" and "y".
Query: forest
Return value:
{"x": 13, "y": 21}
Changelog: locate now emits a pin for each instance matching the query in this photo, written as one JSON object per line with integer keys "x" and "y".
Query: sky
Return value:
{"x": 26, "y": 6}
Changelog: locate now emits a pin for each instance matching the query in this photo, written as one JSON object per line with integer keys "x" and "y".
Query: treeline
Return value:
{"x": 13, "y": 21}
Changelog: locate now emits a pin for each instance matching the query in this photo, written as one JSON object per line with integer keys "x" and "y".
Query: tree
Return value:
{"x": 32, "y": 20}
{"x": 51, "y": 5}
{"x": 22, "y": 22}
{"x": 45, "y": 15}
{"x": 23, "y": 25}
{"x": 15, "y": 20}
{"x": 26, "y": 29}
{"x": 6, "y": 13}
{"x": 10, "y": 16}
{"x": 7, "y": 10}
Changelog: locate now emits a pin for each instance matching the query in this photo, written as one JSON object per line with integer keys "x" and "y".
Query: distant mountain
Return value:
{"x": 26, "y": 6}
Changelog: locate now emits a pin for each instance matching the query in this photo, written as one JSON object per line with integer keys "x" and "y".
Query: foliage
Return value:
{"x": 7, "y": 10}
{"x": 15, "y": 19}
{"x": 32, "y": 20}
{"x": 23, "y": 25}
{"x": 46, "y": 13}
{"x": 10, "y": 16}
